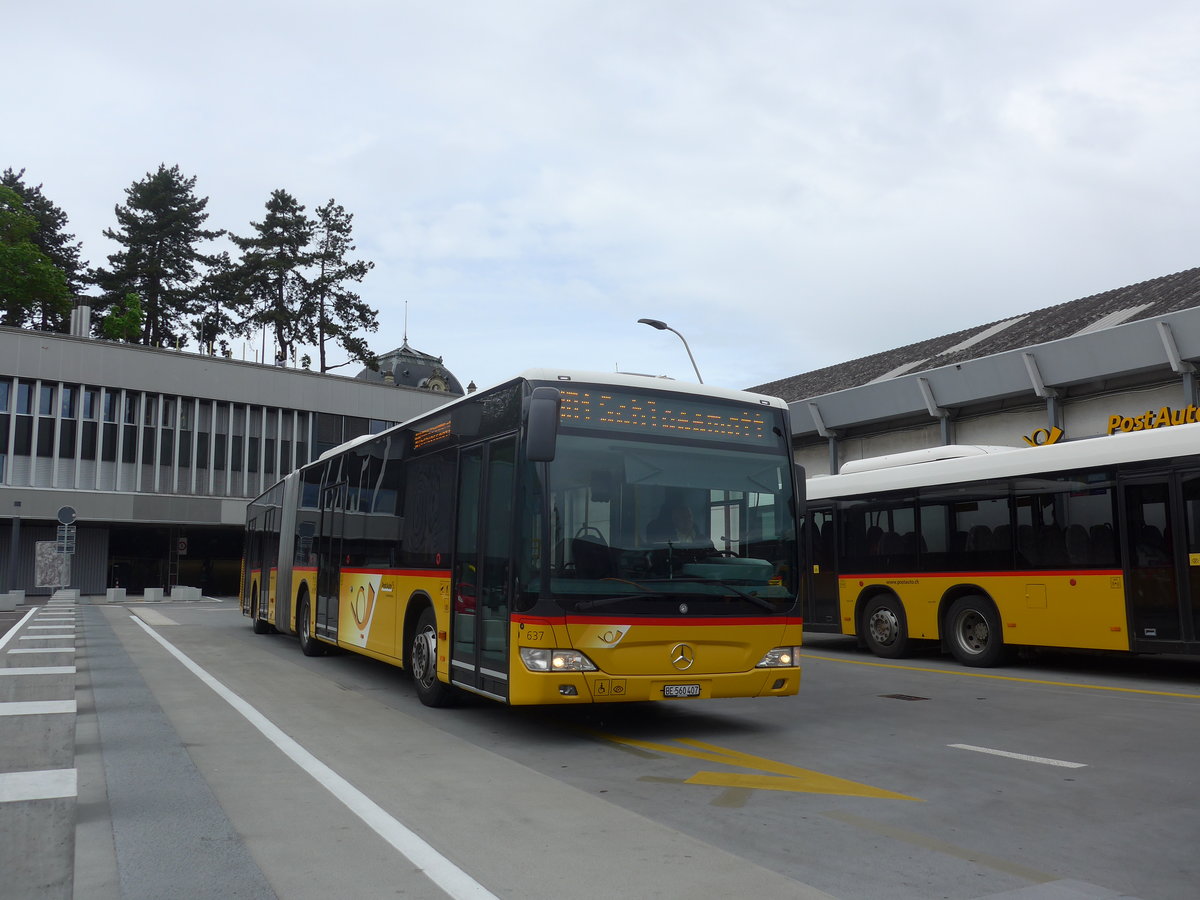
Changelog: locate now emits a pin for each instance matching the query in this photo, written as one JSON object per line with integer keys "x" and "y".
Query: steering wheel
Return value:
{"x": 591, "y": 531}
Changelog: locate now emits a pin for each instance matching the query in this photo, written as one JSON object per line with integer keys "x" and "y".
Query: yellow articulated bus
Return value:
{"x": 1092, "y": 544}
{"x": 561, "y": 538}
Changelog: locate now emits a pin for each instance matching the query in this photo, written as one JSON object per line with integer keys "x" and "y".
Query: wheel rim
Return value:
{"x": 971, "y": 631}
{"x": 884, "y": 626}
{"x": 424, "y": 655}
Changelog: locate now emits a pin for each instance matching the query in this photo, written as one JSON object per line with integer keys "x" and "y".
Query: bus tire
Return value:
{"x": 309, "y": 645}
{"x": 261, "y": 626}
{"x": 423, "y": 662}
{"x": 974, "y": 633}
{"x": 885, "y": 627}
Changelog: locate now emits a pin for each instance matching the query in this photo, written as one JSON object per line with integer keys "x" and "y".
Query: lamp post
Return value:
{"x": 663, "y": 326}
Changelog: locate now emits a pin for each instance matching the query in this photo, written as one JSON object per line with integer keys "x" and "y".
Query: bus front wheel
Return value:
{"x": 885, "y": 628}
{"x": 974, "y": 633}
{"x": 423, "y": 663}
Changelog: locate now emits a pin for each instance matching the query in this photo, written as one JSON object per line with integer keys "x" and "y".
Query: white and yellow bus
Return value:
{"x": 522, "y": 543}
{"x": 1092, "y": 544}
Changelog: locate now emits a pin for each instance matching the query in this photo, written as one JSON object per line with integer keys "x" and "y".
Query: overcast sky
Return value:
{"x": 788, "y": 184}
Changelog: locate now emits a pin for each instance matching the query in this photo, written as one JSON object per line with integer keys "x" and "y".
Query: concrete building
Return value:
{"x": 156, "y": 451}
{"x": 1073, "y": 371}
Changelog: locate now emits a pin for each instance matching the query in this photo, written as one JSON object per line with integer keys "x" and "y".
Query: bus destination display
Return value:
{"x": 677, "y": 416}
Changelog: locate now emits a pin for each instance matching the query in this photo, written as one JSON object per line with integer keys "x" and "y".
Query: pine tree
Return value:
{"x": 272, "y": 289}
{"x": 159, "y": 229}
{"x": 215, "y": 296}
{"x": 52, "y": 240}
{"x": 340, "y": 312}
{"x": 32, "y": 287}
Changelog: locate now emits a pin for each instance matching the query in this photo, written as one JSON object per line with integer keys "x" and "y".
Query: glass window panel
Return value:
{"x": 70, "y": 393}
{"x": 45, "y": 443}
{"x": 66, "y": 439}
{"x": 25, "y": 398}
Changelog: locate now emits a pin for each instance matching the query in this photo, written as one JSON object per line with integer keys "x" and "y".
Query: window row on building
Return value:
{"x": 90, "y": 437}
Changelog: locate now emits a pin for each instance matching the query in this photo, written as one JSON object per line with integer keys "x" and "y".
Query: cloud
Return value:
{"x": 791, "y": 185}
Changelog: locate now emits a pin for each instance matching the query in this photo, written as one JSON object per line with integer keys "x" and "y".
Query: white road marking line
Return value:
{"x": 37, "y": 670}
{"x": 44, "y": 650}
{"x": 45, "y": 637}
{"x": 1022, "y": 756}
{"x": 13, "y": 631}
{"x": 445, "y": 874}
{"x": 48, "y": 784}
{"x": 36, "y": 707}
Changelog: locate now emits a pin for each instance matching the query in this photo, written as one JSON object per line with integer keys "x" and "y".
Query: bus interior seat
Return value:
{"x": 1079, "y": 548}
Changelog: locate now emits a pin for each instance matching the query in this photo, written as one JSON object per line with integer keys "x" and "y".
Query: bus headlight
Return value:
{"x": 780, "y": 656}
{"x": 538, "y": 660}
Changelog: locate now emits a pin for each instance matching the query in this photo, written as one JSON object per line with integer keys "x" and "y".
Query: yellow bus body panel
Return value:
{"x": 373, "y": 605}
{"x": 635, "y": 660}
{"x": 1040, "y": 609}
{"x": 270, "y": 616}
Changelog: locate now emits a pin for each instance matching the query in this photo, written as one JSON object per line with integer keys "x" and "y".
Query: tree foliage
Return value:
{"x": 295, "y": 274}
{"x": 273, "y": 291}
{"x": 159, "y": 229}
{"x": 51, "y": 239}
{"x": 340, "y": 312}
{"x": 124, "y": 320}
{"x": 33, "y": 290}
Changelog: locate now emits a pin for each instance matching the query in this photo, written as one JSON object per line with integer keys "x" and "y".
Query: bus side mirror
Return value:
{"x": 541, "y": 431}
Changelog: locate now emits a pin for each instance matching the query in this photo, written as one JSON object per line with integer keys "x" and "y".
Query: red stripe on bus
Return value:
{"x": 1019, "y": 573}
{"x": 417, "y": 573}
{"x": 674, "y": 620}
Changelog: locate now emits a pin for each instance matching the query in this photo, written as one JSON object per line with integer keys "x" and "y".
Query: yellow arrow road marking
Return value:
{"x": 784, "y": 777}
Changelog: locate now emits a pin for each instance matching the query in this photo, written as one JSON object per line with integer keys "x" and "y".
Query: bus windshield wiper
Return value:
{"x": 753, "y": 598}
{"x": 606, "y": 601}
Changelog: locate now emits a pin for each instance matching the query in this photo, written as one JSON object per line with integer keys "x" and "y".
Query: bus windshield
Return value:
{"x": 660, "y": 529}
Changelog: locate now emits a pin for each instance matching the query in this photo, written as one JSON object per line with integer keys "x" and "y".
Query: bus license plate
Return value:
{"x": 681, "y": 690}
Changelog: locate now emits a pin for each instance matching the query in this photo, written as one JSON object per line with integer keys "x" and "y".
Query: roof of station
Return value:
{"x": 1156, "y": 297}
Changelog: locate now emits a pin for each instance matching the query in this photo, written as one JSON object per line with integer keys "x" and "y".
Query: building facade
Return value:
{"x": 156, "y": 452}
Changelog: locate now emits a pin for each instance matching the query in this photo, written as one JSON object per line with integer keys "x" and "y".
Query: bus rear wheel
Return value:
{"x": 974, "y": 633}
{"x": 885, "y": 628}
{"x": 309, "y": 645}
{"x": 423, "y": 663}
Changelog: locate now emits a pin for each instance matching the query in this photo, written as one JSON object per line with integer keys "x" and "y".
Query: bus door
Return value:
{"x": 251, "y": 565}
{"x": 329, "y": 559}
{"x": 482, "y": 567}
{"x": 1161, "y": 519}
{"x": 822, "y": 612}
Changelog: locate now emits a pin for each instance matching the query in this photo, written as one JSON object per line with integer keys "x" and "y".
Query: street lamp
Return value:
{"x": 663, "y": 326}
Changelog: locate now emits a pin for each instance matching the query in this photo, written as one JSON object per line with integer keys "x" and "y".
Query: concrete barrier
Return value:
{"x": 115, "y": 595}
{"x": 152, "y": 595}
{"x": 183, "y": 592}
{"x": 8, "y": 602}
